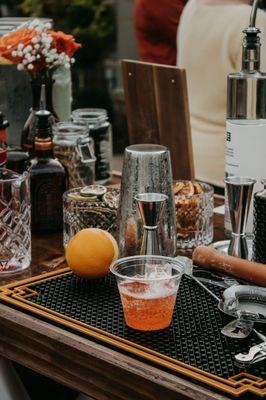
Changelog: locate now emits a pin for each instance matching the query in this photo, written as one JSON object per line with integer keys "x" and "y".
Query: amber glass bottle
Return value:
{"x": 41, "y": 98}
{"x": 48, "y": 180}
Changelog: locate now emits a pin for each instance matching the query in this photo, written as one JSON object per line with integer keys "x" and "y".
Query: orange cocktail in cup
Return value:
{"x": 148, "y": 287}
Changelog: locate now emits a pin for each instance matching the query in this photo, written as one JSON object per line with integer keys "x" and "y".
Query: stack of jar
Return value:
{"x": 84, "y": 146}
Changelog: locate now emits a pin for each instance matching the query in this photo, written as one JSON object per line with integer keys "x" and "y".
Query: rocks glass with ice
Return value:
{"x": 15, "y": 232}
{"x": 148, "y": 286}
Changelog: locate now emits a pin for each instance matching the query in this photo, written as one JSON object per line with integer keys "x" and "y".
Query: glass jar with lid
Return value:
{"x": 75, "y": 150}
{"x": 101, "y": 132}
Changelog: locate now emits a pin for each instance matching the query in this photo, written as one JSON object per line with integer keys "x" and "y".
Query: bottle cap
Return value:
{"x": 3, "y": 122}
{"x": 43, "y": 119}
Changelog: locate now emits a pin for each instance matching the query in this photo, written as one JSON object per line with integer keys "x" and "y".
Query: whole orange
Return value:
{"x": 90, "y": 253}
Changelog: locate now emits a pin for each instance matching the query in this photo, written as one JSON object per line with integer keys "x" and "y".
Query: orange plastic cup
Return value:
{"x": 148, "y": 286}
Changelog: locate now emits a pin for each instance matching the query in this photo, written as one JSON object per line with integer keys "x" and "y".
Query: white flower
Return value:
{"x": 72, "y": 60}
{"x": 20, "y": 67}
{"x": 67, "y": 65}
{"x": 34, "y": 40}
{"x": 30, "y": 67}
{"x": 25, "y": 62}
{"x": 35, "y": 22}
{"x": 37, "y": 46}
{"x": 27, "y": 49}
{"x": 46, "y": 39}
{"x": 31, "y": 59}
{"x": 38, "y": 56}
{"x": 20, "y": 53}
{"x": 48, "y": 25}
{"x": 20, "y": 46}
{"x": 14, "y": 53}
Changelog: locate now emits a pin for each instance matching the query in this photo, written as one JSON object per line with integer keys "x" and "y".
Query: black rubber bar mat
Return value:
{"x": 193, "y": 345}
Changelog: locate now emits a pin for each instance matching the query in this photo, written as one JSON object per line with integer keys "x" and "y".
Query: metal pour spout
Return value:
{"x": 253, "y": 15}
{"x": 239, "y": 192}
{"x": 151, "y": 206}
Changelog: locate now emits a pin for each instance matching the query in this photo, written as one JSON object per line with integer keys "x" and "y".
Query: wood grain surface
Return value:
{"x": 87, "y": 366}
{"x": 158, "y": 111}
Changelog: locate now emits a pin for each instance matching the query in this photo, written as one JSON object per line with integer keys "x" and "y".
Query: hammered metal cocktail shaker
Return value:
{"x": 146, "y": 169}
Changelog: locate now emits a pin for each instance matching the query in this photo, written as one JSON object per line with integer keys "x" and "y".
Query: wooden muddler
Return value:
{"x": 250, "y": 271}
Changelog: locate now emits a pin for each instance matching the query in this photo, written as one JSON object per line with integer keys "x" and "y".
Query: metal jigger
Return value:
{"x": 239, "y": 192}
{"x": 151, "y": 206}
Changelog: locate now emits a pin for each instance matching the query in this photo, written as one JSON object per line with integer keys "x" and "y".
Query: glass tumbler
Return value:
{"x": 148, "y": 286}
{"x": 146, "y": 169}
{"x": 194, "y": 216}
{"x": 81, "y": 212}
{"x": 15, "y": 231}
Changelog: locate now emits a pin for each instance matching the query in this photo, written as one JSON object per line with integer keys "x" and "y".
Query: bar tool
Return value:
{"x": 256, "y": 353}
{"x": 239, "y": 328}
{"x": 215, "y": 279}
{"x": 151, "y": 206}
{"x": 239, "y": 191}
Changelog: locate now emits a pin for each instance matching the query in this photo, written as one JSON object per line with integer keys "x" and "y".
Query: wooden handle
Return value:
{"x": 209, "y": 258}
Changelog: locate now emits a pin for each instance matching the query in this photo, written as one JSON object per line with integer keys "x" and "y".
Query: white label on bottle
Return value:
{"x": 246, "y": 155}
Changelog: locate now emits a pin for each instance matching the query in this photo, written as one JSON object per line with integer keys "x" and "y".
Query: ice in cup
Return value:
{"x": 148, "y": 286}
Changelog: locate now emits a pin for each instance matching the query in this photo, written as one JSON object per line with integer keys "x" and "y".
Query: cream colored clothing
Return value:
{"x": 209, "y": 44}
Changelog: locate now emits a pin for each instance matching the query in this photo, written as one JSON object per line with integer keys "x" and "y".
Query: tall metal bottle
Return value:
{"x": 246, "y": 114}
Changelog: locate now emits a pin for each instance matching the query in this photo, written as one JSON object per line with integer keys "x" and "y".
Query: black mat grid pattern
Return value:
{"x": 194, "y": 336}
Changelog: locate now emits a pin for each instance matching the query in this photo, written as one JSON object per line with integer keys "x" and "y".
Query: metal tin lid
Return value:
{"x": 88, "y": 193}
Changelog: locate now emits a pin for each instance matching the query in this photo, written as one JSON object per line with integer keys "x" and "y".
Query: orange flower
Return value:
{"x": 10, "y": 43}
{"x": 64, "y": 43}
{"x": 38, "y": 53}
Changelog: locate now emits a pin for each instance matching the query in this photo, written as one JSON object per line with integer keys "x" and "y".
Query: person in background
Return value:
{"x": 209, "y": 44}
{"x": 156, "y": 23}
